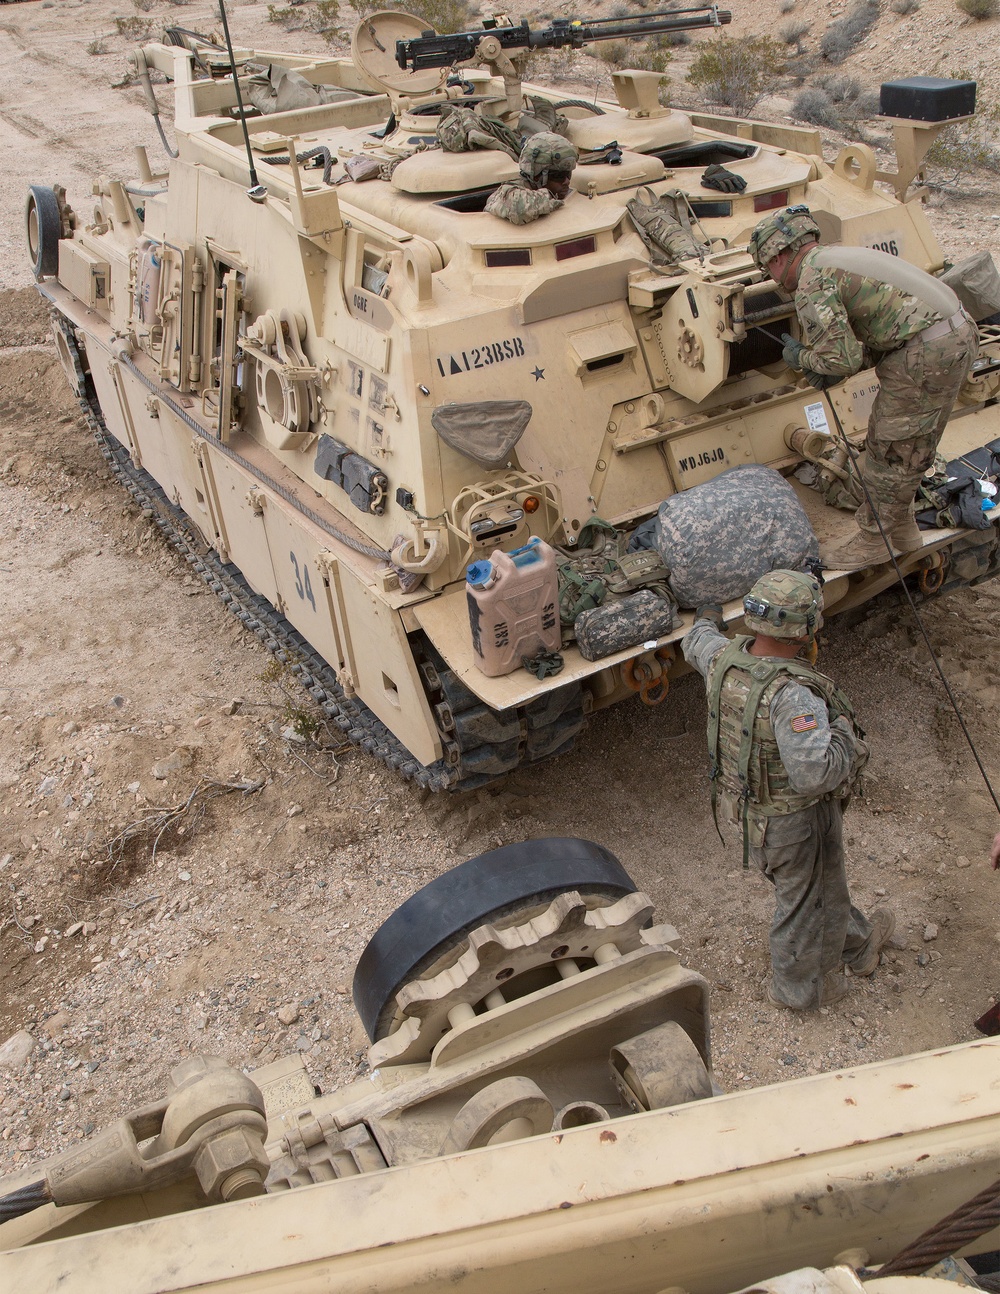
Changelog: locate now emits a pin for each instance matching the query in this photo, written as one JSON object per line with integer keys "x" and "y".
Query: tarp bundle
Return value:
{"x": 718, "y": 538}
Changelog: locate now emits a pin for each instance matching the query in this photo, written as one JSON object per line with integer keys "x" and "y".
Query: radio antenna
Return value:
{"x": 256, "y": 192}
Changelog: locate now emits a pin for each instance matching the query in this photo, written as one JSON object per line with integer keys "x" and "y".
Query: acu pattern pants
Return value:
{"x": 919, "y": 384}
{"x": 816, "y": 927}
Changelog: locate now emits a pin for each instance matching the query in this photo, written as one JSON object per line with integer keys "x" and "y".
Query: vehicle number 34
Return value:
{"x": 303, "y": 584}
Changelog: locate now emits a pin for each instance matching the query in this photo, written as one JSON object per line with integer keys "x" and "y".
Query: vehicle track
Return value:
{"x": 480, "y": 744}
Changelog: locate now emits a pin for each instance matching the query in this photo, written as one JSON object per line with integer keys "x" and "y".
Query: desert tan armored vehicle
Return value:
{"x": 337, "y": 397}
{"x": 539, "y": 1115}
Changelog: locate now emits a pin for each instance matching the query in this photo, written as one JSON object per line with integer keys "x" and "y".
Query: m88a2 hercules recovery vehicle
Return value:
{"x": 328, "y": 393}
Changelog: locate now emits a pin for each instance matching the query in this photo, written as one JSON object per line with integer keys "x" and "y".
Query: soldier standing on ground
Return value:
{"x": 786, "y": 754}
{"x": 546, "y": 164}
{"x": 849, "y": 321}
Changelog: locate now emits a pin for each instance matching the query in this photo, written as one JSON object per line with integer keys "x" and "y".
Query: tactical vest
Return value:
{"x": 746, "y": 763}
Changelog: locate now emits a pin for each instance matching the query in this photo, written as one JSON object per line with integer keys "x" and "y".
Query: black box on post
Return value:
{"x": 927, "y": 98}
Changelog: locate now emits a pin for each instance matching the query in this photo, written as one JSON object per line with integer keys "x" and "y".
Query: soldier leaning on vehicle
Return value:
{"x": 921, "y": 361}
{"x": 546, "y": 164}
{"x": 786, "y": 755}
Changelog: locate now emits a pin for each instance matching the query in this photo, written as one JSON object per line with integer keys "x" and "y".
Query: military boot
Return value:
{"x": 866, "y": 548}
{"x": 902, "y": 528}
{"x": 866, "y": 962}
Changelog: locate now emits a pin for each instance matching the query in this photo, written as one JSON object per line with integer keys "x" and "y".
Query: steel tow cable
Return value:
{"x": 967, "y": 1223}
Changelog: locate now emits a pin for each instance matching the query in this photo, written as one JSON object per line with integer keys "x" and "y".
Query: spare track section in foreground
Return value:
{"x": 481, "y": 744}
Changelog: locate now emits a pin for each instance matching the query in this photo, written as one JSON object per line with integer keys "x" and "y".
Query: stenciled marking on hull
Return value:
{"x": 485, "y": 356}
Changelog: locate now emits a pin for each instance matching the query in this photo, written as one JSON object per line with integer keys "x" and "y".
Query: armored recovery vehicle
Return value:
{"x": 335, "y": 397}
{"x": 540, "y": 1116}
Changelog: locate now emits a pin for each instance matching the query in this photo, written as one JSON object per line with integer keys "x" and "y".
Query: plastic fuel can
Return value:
{"x": 513, "y": 606}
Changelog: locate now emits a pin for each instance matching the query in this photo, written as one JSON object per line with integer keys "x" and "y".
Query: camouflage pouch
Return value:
{"x": 584, "y": 573}
{"x": 463, "y": 131}
{"x": 664, "y": 225}
{"x": 640, "y": 570}
{"x": 604, "y": 571}
{"x": 624, "y": 622}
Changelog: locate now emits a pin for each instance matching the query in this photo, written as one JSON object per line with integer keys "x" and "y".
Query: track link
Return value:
{"x": 478, "y": 749}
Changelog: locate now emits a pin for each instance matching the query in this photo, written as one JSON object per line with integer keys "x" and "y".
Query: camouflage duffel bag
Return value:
{"x": 719, "y": 538}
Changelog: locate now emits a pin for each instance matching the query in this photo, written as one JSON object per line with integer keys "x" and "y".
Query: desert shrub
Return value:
{"x": 786, "y": 6}
{"x": 668, "y": 39}
{"x": 800, "y": 67}
{"x": 816, "y": 107}
{"x": 444, "y": 15}
{"x": 291, "y": 17}
{"x": 144, "y": 6}
{"x": 963, "y": 148}
{"x": 841, "y": 37}
{"x": 613, "y": 52}
{"x": 838, "y": 103}
{"x": 321, "y": 17}
{"x": 904, "y": 7}
{"x": 133, "y": 27}
{"x": 364, "y": 7}
{"x": 839, "y": 88}
{"x": 99, "y": 45}
{"x": 648, "y": 60}
{"x": 792, "y": 32}
{"x": 737, "y": 71}
{"x": 979, "y": 9}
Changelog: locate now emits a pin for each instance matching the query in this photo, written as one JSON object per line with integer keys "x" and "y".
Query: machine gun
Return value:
{"x": 490, "y": 41}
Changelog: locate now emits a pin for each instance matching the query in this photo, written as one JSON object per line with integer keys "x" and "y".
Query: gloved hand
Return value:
{"x": 821, "y": 381}
{"x": 712, "y": 611}
{"x": 723, "y": 181}
{"x": 793, "y": 349}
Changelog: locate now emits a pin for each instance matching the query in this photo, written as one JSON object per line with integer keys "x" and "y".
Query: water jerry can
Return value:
{"x": 513, "y": 606}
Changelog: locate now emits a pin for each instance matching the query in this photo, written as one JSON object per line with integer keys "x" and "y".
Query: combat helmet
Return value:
{"x": 780, "y": 230}
{"x": 785, "y": 604}
{"x": 546, "y": 154}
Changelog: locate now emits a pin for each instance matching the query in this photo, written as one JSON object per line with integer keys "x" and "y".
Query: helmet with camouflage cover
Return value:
{"x": 785, "y": 604}
{"x": 779, "y": 230}
{"x": 544, "y": 155}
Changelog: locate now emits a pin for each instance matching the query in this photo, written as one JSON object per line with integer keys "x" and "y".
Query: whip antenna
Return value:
{"x": 256, "y": 192}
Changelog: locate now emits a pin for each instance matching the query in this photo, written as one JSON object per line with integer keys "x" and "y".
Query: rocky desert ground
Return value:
{"x": 178, "y": 871}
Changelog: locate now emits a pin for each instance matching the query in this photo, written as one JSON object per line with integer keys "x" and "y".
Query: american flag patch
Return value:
{"x": 804, "y": 723}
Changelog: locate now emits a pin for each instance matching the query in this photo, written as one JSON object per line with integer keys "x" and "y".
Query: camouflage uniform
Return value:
{"x": 462, "y": 130}
{"x": 525, "y": 199}
{"x": 847, "y": 321}
{"x": 519, "y": 202}
{"x": 804, "y": 754}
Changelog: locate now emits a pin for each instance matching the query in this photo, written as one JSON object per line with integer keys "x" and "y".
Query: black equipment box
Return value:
{"x": 927, "y": 98}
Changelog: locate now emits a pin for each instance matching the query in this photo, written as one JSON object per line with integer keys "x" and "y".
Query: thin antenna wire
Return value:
{"x": 256, "y": 192}
{"x": 913, "y": 606}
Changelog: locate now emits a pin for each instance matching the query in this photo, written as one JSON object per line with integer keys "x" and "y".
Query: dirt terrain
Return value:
{"x": 179, "y": 871}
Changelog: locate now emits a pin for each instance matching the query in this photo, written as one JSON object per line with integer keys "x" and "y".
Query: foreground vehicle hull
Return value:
{"x": 709, "y": 1196}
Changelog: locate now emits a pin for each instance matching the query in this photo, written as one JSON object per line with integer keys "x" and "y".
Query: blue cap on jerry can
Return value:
{"x": 479, "y": 574}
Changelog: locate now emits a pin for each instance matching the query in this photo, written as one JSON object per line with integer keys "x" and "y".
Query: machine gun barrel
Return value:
{"x": 432, "y": 50}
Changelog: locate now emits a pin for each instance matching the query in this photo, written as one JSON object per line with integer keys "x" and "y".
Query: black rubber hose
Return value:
{"x": 23, "y": 1200}
{"x": 329, "y": 161}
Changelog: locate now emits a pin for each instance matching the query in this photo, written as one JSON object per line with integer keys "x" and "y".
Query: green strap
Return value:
{"x": 543, "y": 664}
{"x": 732, "y": 654}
